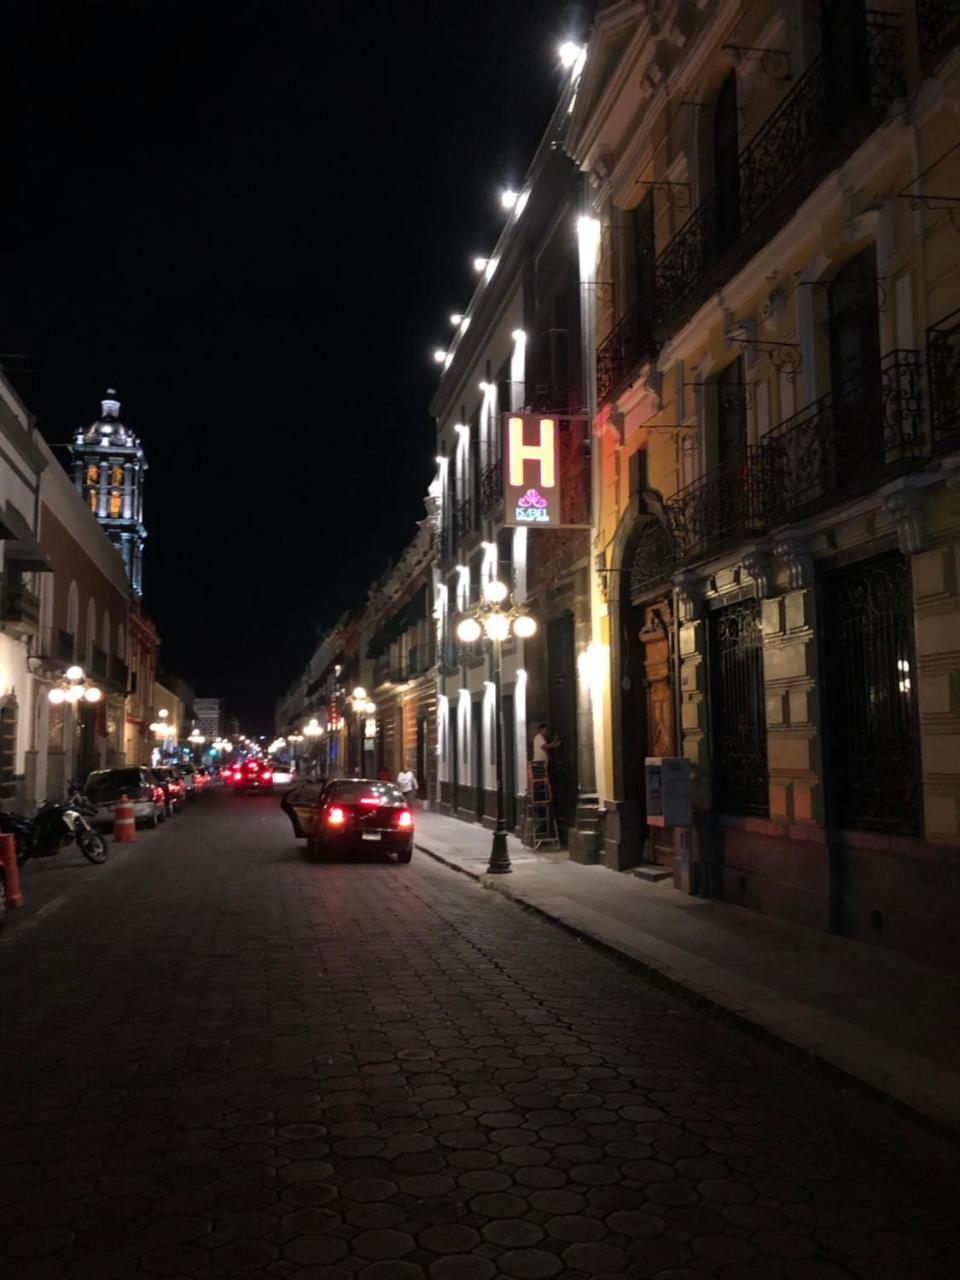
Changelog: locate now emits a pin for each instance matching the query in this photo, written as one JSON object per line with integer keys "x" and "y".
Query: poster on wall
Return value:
{"x": 546, "y": 471}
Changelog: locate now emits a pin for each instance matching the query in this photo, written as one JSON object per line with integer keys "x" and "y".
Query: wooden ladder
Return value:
{"x": 540, "y": 826}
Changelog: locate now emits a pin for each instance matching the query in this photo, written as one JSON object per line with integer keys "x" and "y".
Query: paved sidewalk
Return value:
{"x": 879, "y": 1017}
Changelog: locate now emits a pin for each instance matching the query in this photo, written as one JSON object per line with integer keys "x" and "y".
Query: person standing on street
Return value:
{"x": 407, "y": 782}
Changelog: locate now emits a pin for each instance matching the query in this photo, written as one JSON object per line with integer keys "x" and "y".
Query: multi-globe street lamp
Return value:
{"x": 293, "y": 741}
{"x": 363, "y": 708}
{"x": 496, "y": 621}
{"x": 74, "y": 688}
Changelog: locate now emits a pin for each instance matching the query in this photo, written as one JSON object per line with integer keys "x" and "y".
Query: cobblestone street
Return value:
{"x": 221, "y": 1060}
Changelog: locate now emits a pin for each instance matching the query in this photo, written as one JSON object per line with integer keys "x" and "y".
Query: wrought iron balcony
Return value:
{"x": 443, "y": 542}
{"x": 938, "y": 29}
{"x": 711, "y": 513}
{"x": 491, "y": 487}
{"x": 628, "y": 344}
{"x": 21, "y": 609}
{"x": 943, "y": 379}
{"x": 466, "y": 518}
{"x": 843, "y": 443}
{"x": 830, "y": 109}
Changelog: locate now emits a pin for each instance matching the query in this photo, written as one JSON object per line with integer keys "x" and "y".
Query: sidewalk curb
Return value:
{"x": 714, "y": 1005}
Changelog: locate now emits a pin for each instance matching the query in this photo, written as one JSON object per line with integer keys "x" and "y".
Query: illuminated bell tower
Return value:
{"x": 108, "y": 468}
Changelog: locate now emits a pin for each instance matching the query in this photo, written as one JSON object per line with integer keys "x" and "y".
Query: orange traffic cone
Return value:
{"x": 124, "y": 823}
{"x": 8, "y": 856}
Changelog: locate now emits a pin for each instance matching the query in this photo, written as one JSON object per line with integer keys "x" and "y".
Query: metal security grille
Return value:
{"x": 738, "y": 713}
{"x": 871, "y": 715}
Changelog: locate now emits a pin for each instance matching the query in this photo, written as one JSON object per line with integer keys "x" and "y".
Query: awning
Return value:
{"x": 21, "y": 542}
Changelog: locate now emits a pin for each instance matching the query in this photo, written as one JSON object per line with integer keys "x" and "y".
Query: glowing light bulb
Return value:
{"x": 479, "y": 264}
{"x": 468, "y": 630}
{"x": 439, "y": 355}
{"x": 570, "y": 54}
{"x": 497, "y": 626}
{"x": 57, "y": 696}
{"x": 495, "y": 591}
{"x": 93, "y": 694}
{"x": 74, "y": 673}
{"x": 456, "y": 319}
{"x": 508, "y": 198}
{"x": 524, "y": 626}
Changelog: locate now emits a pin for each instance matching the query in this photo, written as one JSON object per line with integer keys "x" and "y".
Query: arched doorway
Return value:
{"x": 647, "y": 684}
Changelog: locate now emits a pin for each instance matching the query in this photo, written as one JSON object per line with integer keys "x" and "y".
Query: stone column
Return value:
{"x": 586, "y": 835}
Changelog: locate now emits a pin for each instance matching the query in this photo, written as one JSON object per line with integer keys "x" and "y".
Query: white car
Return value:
{"x": 105, "y": 787}
{"x": 282, "y": 774}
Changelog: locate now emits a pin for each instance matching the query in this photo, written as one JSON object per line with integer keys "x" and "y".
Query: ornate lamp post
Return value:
{"x": 74, "y": 687}
{"x": 497, "y": 622}
{"x": 312, "y": 731}
{"x": 293, "y": 740}
{"x": 363, "y": 708}
{"x": 196, "y": 740}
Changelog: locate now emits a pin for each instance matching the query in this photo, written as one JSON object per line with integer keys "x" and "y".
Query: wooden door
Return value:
{"x": 656, "y": 637}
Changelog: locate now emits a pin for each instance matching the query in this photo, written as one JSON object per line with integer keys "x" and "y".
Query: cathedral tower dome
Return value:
{"x": 108, "y": 468}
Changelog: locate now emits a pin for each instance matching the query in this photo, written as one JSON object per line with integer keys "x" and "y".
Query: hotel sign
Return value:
{"x": 546, "y": 471}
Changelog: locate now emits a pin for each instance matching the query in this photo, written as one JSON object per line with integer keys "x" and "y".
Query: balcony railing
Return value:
{"x": 21, "y": 609}
{"x": 720, "y": 508}
{"x": 443, "y": 542}
{"x": 843, "y": 443}
{"x": 943, "y": 379}
{"x": 832, "y": 106}
{"x": 938, "y": 29}
{"x": 491, "y": 487}
{"x": 628, "y": 344}
{"x": 466, "y": 518}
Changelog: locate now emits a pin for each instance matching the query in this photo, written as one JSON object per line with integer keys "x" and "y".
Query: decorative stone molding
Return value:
{"x": 791, "y": 547}
{"x": 757, "y": 564}
{"x": 689, "y": 589}
{"x": 905, "y": 500}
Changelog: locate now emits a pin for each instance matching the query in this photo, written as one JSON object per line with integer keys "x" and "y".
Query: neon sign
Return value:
{"x": 546, "y": 476}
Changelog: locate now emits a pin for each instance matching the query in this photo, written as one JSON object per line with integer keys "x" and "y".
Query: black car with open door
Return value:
{"x": 360, "y": 814}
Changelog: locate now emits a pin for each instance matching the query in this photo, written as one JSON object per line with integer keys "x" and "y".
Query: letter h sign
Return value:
{"x": 531, "y": 488}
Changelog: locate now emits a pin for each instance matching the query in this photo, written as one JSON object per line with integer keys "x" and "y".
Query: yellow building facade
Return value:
{"x": 776, "y": 293}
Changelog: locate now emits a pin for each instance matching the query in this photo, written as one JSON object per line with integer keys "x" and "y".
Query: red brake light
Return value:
{"x": 405, "y": 818}
{"x": 267, "y": 775}
{"x": 371, "y": 800}
{"x": 336, "y": 817}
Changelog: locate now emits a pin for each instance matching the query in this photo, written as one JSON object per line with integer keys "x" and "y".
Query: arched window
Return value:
{"x": 121, "y": 642}
{"x": 105, "y": 633}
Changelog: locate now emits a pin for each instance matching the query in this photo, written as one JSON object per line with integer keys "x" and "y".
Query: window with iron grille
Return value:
{"x": 738, "y": 714}
{"x": 871, "y": 745}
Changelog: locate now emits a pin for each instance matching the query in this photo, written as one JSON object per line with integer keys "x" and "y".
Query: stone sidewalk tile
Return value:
{"x": 886, "y": 1021}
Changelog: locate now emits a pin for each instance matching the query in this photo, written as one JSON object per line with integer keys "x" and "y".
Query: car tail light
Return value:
{"x": 405, "y": 819}
{"x": 267, "y": 775}
{"x": 336, "y": 817}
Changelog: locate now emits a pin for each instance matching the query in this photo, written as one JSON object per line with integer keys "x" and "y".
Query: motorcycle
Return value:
{"x": 53, "y": 827}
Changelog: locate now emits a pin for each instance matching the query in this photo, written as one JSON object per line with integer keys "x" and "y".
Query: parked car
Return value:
{"x": 361, "y": 813}
{"x": 252, "y": 775}
{"x": 104, "y": 787}
{"x": 189, "y": 777}
{"x": 282, "y": 773}
{"x": 172, "y": 785}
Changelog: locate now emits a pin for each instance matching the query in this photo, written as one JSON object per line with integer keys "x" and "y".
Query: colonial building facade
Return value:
{"x": 517, "y": 348}
{"x": 776, "y": 188}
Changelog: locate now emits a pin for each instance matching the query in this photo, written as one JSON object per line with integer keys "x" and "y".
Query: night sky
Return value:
{"x": 253, "y": 220}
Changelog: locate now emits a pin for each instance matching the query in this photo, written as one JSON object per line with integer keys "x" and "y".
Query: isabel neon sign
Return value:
{"x": 544, "y": 470}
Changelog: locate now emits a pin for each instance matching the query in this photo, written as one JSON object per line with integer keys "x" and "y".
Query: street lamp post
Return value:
{"x": 74, "y": 688}
{"x": 497, "y": 623}
{"x": 313, "y": 730}
{"x": 363, "y": 708}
